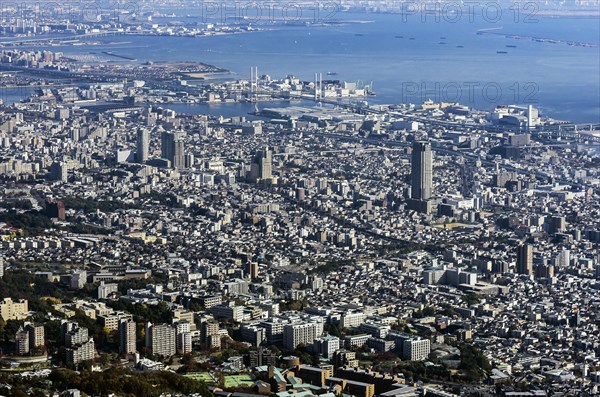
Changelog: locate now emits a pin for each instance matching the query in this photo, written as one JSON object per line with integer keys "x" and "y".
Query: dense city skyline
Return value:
{"x": 172, "y": 225}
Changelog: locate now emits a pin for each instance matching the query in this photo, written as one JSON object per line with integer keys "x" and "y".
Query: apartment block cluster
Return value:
{"x": 33, "y": 59}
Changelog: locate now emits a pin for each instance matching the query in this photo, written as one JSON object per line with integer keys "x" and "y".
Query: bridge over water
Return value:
{"x": 589, "y": 132}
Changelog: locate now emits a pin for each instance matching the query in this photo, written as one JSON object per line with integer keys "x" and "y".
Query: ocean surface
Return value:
{"x": 407, "y": 59}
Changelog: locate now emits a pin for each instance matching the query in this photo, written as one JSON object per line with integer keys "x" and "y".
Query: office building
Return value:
{"x": 383, "y": 382}
{"x": 253, "y": 333}
{"x": 261, "y": 356}
{"x": 78, "y": 279}
{"x": 208, "y": 329}
{"x": 183, "y": 316}
{"x": 353, "y": 388}
{"x": 105, "y": 290}
{"x": 229, "y": 311}
{"x": 342, "y": 358}
{"x": 111, "y": 321}
{"x": 313, "y": 375}
{"x": 326, "y": 345}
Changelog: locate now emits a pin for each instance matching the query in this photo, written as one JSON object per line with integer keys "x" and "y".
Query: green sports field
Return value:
{"x": 203, "y": 376}
{"x": 230, "y": 380}
{"x": 237, "y": 380}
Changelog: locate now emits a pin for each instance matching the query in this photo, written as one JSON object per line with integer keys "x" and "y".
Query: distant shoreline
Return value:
{"x": 570, "y": 13}
{"x": 538, "y": 13}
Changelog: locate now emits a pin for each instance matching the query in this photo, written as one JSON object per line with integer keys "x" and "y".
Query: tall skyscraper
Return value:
{"x": 421, "y": 171}
{"x": 143, "y": 145}
{"x": 172, "y": 148}
{"x": 525, "y": 259}
{"x": 127, "y": 336}
{"x": 262, "y": 165}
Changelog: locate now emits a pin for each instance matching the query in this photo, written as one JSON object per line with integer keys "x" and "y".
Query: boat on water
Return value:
{"x": 359, "y": 34}
{"x": 511, "y": 46}
{"x": 501, "y": 52}
{"x": 411, "y": 38}
{"x": 442, "y": 42}
{"x": 331, "y": 73}
{"x": 460, "y": 46}
{"x": 399, "y": 37}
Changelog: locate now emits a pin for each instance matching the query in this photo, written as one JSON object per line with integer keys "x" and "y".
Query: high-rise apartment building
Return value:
{"x": 525, "y": 259}
{"x": 59, "y": 171}
{"x": 301, "y": 333}
{"x": 416, "y": 349}
{"x": 36, "y": 333}
{"x": 172, "y": 148}
{"x": 160, "y": 338}
{"x": 127, "y": 329}
{"x": 262, "y": 165}
{"x": 143, "y": 146}
{"x": 421, "y": 171}
{"x": 82, "y": 352}
{"x": 22, "y": 342}
{"x": 13, "y": 310}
